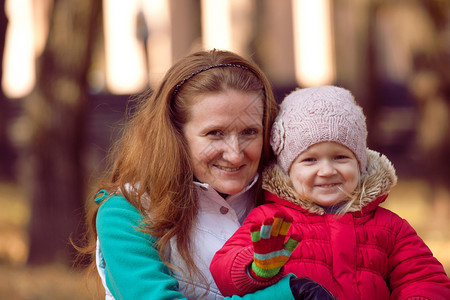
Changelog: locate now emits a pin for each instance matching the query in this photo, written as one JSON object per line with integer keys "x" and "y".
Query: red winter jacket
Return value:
{"x": 368, "y": 253}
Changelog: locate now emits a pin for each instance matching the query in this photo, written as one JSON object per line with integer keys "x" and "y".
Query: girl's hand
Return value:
{"x": 271, "y": 250}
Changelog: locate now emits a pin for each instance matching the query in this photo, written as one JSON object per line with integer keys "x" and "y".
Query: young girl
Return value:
{"x": 329, "y": 186}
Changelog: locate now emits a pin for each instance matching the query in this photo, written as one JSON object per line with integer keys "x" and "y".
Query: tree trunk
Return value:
{"x": 56, "y": 112}
{"x": 7, "y": 153}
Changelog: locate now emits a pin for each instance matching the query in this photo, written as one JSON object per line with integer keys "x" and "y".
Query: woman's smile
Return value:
{"x": 229, "y": 169}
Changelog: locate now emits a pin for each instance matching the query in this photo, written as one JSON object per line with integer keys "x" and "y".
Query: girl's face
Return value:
{"x": 326, "y": 173}
{"x": 225, "y": 137}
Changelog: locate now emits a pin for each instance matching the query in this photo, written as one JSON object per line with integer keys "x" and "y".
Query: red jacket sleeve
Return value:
{"x": 415, "y": 273}
{"x": 229, "y": 266}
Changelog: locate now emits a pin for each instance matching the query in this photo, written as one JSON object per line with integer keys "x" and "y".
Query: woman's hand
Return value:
{"x": 305, "y": 288}
{"x": 271, "y": 250}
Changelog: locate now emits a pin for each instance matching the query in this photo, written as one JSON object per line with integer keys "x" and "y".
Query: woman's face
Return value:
{"x": 225, "y": 137}
{"x": 325, "y": 173}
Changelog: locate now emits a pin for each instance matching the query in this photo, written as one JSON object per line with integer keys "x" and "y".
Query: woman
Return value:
{"x": 184, "y": 177}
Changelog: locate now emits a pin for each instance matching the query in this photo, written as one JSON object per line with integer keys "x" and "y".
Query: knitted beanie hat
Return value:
{"x": 318, "y": 114}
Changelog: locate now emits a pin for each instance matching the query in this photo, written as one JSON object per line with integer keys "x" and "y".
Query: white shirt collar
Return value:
{"x": 252, "y": 182}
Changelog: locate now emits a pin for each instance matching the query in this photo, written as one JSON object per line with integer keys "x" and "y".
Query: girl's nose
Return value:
{"x": 326, "y": 168}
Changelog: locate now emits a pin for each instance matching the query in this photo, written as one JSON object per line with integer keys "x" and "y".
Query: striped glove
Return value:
{"x": 271, "y": 250}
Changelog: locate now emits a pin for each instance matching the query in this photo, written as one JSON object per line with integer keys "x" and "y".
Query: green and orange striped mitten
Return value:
{"x": 271, "y": 250}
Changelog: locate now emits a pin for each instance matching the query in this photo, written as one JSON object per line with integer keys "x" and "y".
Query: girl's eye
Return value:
{"x": 338, "y": 157}
{"x": 308, "y": 160}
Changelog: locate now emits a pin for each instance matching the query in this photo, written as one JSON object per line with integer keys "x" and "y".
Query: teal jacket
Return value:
{"x": 130, "y": 266}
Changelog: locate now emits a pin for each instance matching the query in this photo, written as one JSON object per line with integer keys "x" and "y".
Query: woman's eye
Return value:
{"x": 250, "y": 131}
{"x": 214, "y": 133}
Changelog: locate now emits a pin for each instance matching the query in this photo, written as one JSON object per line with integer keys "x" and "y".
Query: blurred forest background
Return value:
{"x": 70, "y": 67}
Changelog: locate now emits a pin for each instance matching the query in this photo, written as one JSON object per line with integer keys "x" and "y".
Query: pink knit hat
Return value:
{"x": 318, "y": 114}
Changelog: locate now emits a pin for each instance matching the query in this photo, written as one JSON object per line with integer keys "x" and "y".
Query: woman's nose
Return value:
{"x": 233, "y": 151}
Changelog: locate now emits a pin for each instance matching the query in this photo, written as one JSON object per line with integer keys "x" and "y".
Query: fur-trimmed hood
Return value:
{"x": 379, "y": 180}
